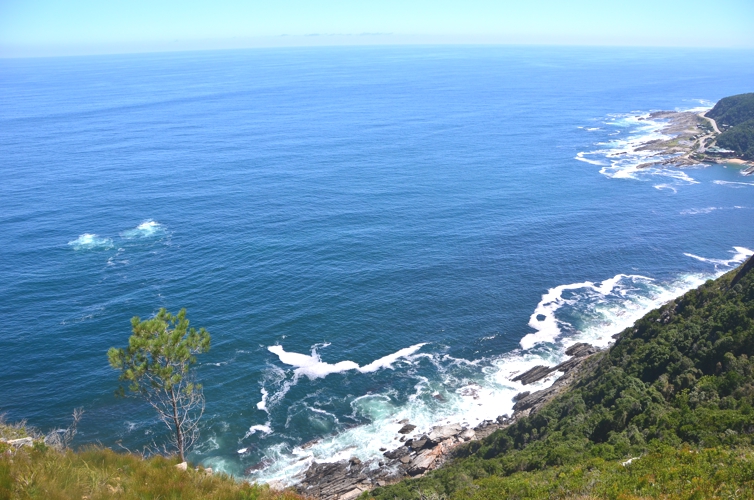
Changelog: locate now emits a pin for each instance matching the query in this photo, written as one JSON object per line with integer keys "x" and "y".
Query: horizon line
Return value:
{"x": 312, "y": 40}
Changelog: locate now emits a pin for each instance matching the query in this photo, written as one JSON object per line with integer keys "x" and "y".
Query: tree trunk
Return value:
{"x": 178, "y": 433}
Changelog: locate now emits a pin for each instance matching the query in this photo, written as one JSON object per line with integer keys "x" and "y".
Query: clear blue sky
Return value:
{"x": 49, "y": 27}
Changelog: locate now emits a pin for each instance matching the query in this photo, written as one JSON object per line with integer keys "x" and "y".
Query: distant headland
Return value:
{"x": 724, "y": 134}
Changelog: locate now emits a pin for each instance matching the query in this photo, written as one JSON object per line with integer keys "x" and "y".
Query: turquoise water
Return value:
{"x": 369, "y": 234}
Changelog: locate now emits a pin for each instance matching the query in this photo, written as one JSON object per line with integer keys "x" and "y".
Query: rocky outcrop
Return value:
{"x": 539, "y": 372}
{"x": 347, "y": 479}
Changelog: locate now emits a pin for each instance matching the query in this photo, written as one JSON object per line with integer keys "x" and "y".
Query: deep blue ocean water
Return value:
{"x": 405, "y": 219}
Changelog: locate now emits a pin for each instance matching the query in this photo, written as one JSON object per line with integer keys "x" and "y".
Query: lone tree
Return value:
{"x": 157, "y": 365}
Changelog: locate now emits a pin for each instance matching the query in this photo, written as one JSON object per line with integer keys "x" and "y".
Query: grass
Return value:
{"x": 93, "y": 473}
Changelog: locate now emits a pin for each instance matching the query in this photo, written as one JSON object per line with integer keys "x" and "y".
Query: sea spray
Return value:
{"x": 471, "y": 391}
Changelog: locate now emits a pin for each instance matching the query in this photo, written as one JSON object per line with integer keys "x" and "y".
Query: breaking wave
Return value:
{"x": 448, "y": 389}
{"x": 89, "y": 241}
{"x": 146, "y": 229}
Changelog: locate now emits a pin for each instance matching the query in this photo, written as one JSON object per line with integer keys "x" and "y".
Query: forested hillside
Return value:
{"x": 674, "y": 397}
{"x": 735, "y": 118}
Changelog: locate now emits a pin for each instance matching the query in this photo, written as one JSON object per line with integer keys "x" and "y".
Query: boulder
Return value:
{"x": 397, "y": 453}
{"x": 521, "y": 395}
{"x": 535, "y": 374}
{"x": 421, "y": 443}
{"x": 467, "y": 435}
{"x": 182, "y": 466}
{"x": 422, "y": 462}
{"x": 580, "y": 349}
{"x": 354, "y": 493}
{"x": 406, "y": 429}
{"x": 443, "y": 432}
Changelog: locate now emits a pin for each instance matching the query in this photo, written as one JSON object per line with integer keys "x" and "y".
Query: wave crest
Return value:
{"x": 90, "y": 241}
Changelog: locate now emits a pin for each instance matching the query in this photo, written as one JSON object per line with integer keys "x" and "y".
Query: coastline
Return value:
{"x": 691, "y": 142}
{"x": 422, "y": 453}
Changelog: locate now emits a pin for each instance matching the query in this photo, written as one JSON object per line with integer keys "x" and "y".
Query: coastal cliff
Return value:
{"x": 668, "y": 410}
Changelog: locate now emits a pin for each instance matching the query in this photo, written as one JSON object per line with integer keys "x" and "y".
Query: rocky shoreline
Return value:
{"x": 421, "y": 453}
{"x": 691, "y": 142}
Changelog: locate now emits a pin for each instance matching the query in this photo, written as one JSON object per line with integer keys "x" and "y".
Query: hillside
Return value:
{"x": 668, "y": 411}
{"x": 735, "y": 118}
{"x": 42, "y": 472}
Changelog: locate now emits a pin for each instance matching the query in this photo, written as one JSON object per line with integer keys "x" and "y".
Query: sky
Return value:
{"x": 67, "y": 27}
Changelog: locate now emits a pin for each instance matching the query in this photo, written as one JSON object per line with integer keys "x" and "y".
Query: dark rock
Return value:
{"x": 354, "y": 461}
{"x": 397, "y": 453}
{"x": 421, "y": 443}
{"x": 502, "y": 419}
{"x": 537, "y": 373}
{"x": 406, "y": 429}
{"x": 439, "y": 397}
{"x": 257, "y": 466}
{"x": 518, "y": 397}
{"x": 567, "y": 365}
{"x": 580, "y": 349}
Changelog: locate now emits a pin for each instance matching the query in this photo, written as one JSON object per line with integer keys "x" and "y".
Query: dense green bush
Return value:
{"x": 681, "y": 376}
{"x": 735, "y": 117}
{"x": 739, "y": 139}
{"x": 733, "y": 110}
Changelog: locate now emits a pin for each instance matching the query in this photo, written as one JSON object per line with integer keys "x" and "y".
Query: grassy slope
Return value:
{"x": 99, "y": 473}
{"x": 676, "y": 390}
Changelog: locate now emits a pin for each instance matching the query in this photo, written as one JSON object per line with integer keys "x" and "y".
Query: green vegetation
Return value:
{"x": 735, "y": 118}
{"x": 733, "y": 110}
{"x": 42, "y": 472}
{"x": 676, "y": 391}
{"x": 157, "y": 365}
{"x": 739, "y": 139}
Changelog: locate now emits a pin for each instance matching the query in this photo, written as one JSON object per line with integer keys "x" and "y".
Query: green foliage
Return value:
{"x": 739, "y": 139}
{"x": 157, "y": 364}
{"x": 681, "y": 376}
{"x": 735, "y": 117}
{"x": 159, "y": 357}
{"x": 99, "y": 473}
{"x": 733, "y": 110}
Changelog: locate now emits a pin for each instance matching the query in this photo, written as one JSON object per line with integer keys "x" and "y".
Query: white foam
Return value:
{"x": 313, "y": 367}
{"x": 733, "y": 184}
{"x": 90, "y": 241}
{"x": 740, "y": 254}
{"x": 707, "y": 210}
{"x": 387, "y": 361}
{"x": 146, "y": 229}
{"x": 262, "y": 405}
{"x": 665, "y": 186}
{"x": 580, "y": 157}
{"x": 265, "y": 428}
{"x": 549, "y": 327}
{"x": 472, "y": 390}
{"x": 624, "y": 155}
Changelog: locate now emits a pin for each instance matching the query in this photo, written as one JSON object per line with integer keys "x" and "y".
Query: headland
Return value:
{"x": 696, "y": 137}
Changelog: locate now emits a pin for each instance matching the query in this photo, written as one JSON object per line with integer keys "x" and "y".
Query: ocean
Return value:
{"x": 369, "y": 234}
